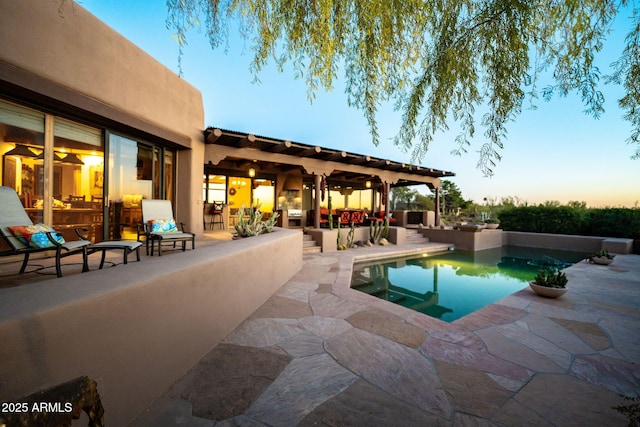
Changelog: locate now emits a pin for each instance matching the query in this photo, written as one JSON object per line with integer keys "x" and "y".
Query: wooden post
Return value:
{"x": 316, "y": 204}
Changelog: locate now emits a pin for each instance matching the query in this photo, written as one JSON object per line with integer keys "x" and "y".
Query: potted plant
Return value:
{"x": 549, "y": 283}
{"x": 492, "y": 223}
{"x": 602, "y": 258}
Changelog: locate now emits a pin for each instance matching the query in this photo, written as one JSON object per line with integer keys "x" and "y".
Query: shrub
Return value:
{"x": 605, "y": 222}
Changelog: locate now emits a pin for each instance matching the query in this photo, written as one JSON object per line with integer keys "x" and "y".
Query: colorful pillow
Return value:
{"x": 163, "y": 226}
{"x": 35, "y": 236}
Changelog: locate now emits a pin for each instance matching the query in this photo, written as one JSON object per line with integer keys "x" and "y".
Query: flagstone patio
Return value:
{"x": 319, "y": 353}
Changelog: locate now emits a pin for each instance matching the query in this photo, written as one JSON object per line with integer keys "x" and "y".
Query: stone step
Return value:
{"x": 308, "y": 243}
{"x": 312, "y": 250}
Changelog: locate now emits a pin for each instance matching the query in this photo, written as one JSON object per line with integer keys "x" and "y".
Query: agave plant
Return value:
{"x": 250, "y": 222}
{"x": 551, "y": 279}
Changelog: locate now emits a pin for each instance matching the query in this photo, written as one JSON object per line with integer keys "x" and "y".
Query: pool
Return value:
{"x": 451, "y": 285}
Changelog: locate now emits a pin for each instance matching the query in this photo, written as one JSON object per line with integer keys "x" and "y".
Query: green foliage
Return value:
{"x": 551, "y": 279}
{"x": 542, "y": 219}
{"x": 439, "y": 61}
{"x": 376, "y": 230}
{"x": 250, "y": 222}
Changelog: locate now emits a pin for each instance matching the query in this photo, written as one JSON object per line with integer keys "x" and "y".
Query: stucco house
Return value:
{"x": 89, "y": 126}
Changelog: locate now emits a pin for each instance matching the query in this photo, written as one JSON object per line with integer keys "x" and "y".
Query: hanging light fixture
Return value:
{"x": 252, "y": 172}
{"x": 367, "y": 184}
{"x": 72, "y": 159}
{"x": 56, "y": 157}
{"x": 21, "y": 150}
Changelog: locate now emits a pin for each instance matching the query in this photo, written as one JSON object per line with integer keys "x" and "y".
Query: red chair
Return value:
{"x": 345, "y": 217}
{"x": 380, "y": 217}
{"x": 357, "y": 217}
{"x": 324, "y": 217}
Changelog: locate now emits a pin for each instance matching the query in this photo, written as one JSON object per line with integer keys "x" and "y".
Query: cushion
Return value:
{"x": 35, "y": 235}
{"x": 163, "y": 226}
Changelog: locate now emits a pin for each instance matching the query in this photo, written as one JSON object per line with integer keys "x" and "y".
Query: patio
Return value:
{"x": 41, "y": 269}
{"x": 320, "y": 353}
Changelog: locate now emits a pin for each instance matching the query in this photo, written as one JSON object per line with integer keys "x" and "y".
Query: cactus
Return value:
{"x": 352, "y": 232}
{"x": 375, "y": 232}
{"x": 385, "y": 232}
{"x": 253, "y": 224}
{"x": 340, "y": 246}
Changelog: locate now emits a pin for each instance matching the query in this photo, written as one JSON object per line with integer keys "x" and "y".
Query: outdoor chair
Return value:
{"x": 158, "y": 225}
{"x": 216, "y": 215}
{"x": 25, "y": 238}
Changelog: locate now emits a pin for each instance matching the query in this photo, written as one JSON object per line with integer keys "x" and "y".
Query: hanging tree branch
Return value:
{"x": 440, "y": 60}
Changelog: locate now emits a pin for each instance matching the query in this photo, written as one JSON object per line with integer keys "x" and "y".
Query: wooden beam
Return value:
{"x": 281, "y": 147}
{"x": 213, "y": 136}
{"x": 246, "y": 141}
{"x": 243, "y": 164}
{"x": 288, "y": 168}
{"x": 361, "y": 159}
{"x": 380, "y": 163}
{"x": 312, "y": 151}
{"x": 337, "y": 155}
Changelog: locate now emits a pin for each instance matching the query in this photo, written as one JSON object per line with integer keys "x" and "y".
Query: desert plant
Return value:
{"x": 551, "y": 279}
{"x": 250, "y": 222}
{"x": 352, "y": 232}
{"x": 375, "y": 232}
{"x": 385, "y": 232}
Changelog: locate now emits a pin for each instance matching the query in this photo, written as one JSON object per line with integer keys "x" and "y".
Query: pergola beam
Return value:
{"x": 281, "y": 147}
{"x": 246, "y": 141}
{"x": 311, "y": 151}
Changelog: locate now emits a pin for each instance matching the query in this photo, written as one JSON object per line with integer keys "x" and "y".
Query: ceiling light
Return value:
{"x": 21, "y": 150}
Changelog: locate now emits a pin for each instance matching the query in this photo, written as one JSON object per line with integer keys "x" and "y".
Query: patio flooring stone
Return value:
{"x": 362, "y": 404}
{"x": 387, "y": 325}
{"x": 339, "y": 357}
{"x": 229, "y": 379}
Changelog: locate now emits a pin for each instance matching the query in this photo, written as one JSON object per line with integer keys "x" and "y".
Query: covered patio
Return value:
{"x": 297, "y": 178}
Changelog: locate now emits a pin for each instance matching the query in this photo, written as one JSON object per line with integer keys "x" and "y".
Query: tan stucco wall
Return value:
{"x": 72, "y": 48}
{"x": 136, "y": 329}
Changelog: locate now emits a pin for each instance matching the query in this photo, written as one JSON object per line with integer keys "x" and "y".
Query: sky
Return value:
{"x": 552, "y": 153}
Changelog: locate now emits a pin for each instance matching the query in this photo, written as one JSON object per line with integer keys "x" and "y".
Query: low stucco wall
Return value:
{"x": 135, "y": 329}
{"x": 328, "y": 239}
{"x": 487, "y": 239}
{"x": 466, "y": 240}
{"x": 554, "y": 241}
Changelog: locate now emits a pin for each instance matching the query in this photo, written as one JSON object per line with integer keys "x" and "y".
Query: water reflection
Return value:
{"x": 453, "y": 284}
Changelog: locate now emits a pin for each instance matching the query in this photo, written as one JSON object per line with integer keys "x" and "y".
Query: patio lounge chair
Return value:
{"x": 158, "y": 225}
{"x": 25, "y": 238}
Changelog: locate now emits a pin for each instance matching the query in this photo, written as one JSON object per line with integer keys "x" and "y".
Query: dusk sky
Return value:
{"x": 555, "y": 152}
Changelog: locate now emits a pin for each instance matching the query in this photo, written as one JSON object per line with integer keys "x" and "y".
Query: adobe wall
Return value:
{"x": 486, "y": 239}
{"x": 466, "y": 240}
{"x": 555, "y": 241}
{"x": 73, "y": 49}
{"x": 136, "y": 329}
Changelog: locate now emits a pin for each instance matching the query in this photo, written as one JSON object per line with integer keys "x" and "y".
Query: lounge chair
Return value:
{"x": 25, "y": 238}
{"x": 158, "y": 225}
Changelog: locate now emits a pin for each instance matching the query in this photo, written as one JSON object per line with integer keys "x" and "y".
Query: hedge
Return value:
{"x": 605, "y": 222}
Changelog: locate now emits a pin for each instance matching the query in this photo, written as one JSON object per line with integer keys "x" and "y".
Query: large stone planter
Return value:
{"x": 492, "y": 226}
{"x": 546, "y": 291}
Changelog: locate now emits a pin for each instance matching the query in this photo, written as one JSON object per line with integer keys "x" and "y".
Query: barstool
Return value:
{"x": 216, "y": 215}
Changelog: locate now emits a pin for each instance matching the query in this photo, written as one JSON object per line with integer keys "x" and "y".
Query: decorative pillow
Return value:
{"x": 163, "y": 226}
{"x": 35, "y": 235}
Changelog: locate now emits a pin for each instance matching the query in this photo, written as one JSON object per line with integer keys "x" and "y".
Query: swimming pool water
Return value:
{"x": 451, "y": 285}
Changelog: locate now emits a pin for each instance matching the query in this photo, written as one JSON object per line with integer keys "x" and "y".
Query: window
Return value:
{"x": 21, "y": 146}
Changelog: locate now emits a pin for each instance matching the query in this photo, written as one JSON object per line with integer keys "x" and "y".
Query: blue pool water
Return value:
{"x": 451, "y": 285}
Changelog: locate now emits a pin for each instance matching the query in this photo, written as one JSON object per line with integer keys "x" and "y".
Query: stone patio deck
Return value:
{"x": 319, "y": 353}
